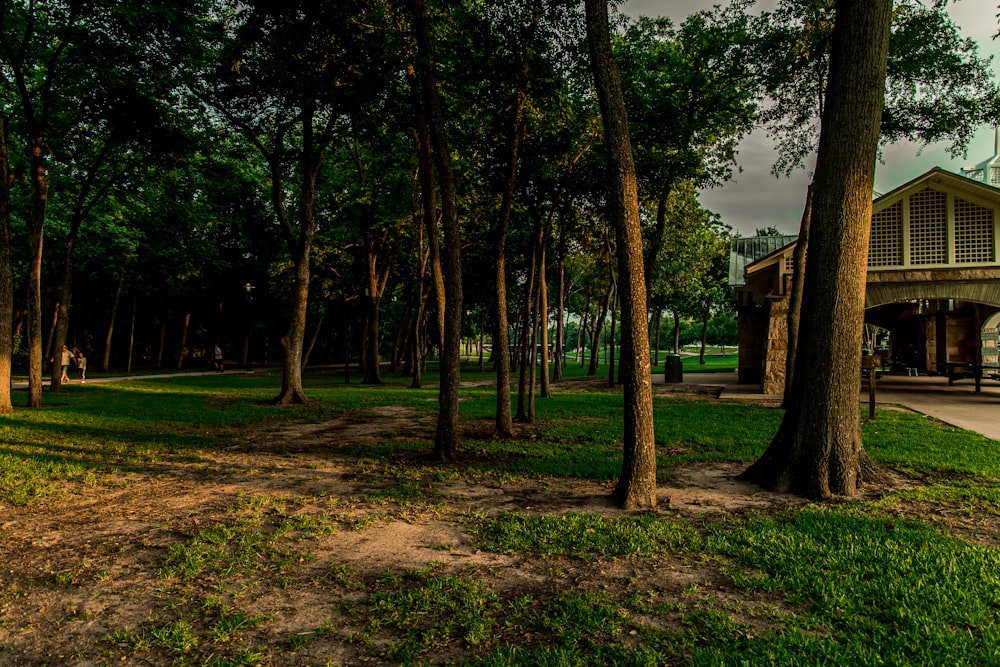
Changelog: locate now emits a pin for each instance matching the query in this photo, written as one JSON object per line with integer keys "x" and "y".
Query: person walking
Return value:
{"x": 81, "y": 366}
{"x": 217, "y": 358}
{"x": 65, "y": 360}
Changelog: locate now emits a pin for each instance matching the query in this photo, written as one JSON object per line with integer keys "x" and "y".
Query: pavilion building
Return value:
{"x": 933, "y": 282}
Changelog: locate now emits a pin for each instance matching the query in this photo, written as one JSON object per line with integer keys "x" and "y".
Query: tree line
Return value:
{"x": 347, "y": 179}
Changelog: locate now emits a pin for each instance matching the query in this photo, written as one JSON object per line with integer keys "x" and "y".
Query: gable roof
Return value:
{"x": 744, "y": 251}
{"x": 940, "y": 177}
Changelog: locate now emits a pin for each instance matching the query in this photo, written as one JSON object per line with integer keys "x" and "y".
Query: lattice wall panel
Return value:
{"x": 973, "y": 233}
{"x": 928, "y": 228}
{"x": 886, "y": 248}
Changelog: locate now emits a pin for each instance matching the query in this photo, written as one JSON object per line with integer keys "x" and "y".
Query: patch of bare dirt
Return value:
{"x": 76, "y": 578}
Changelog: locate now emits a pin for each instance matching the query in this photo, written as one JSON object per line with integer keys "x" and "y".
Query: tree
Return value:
{"x": 447, "y": 427}
{"x": 636, "y": 486}
{"x": 42, "y": 48}
{"x": 6, "y": 276}
{"x": 818, "y": 450}
{"x": 286, "y": 76}
{"x": 691, "y": 96}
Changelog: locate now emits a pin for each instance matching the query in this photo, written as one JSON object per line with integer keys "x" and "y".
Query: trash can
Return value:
{"x": 673, "y": 371}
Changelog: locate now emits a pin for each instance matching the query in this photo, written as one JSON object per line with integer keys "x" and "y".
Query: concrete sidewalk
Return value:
{"x": 958, "y": 405}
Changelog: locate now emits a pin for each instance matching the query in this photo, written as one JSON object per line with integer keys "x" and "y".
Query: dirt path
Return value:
{"x": 81, "y": 579}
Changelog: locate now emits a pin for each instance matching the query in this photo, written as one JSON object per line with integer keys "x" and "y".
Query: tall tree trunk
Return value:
{"x": 373, "y": 371}
{"x": 292, "y": 390}
{"x": 312, "y": 341}
{"x": 656, "y": 335}
{"x": 106, "y": 360}
{"x": 611, "y": 358}
{"x": 504, "y": 424}
{"x": 6, "y": 277}
{"x": 795, "y": 298}
{"x": 50, "y": 347}
{"x": 818, "y": 451}
{"x": 581, "y": 330}
{"x": 677, "y": 331}
{"x": 163, "y": 342}
{"x": 62, "y": 307}
{"x": 637, "y": 484}
{"x": 543, "y": 323}
{"x": 185, "y": 327}
{"x": 299, "y": 242}
{"x": 527, "y": 338}
{"x": 598, "y": 325}
{"x": 704, "y": 335}
{"x": 425, "y": 163}
{"x": 39, "y": 201}
{"x": 559, "y": 349}
{"x": 378, "y": 276}
{"x": 401, "y": 340}
{"x": 655, "y": 242}
{"x": 416, "y": 352}
{"x": 482, "y": 340}
{"x": 131, "y": 334}
{"x": 445, "y": 440}
{"x": 533, "y": 361}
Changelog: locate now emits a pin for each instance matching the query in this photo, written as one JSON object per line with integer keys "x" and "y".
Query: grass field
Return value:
{"x": 227, "y": 532}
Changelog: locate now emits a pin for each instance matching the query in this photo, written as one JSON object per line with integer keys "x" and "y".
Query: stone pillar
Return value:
{"x": 772, "y": 379}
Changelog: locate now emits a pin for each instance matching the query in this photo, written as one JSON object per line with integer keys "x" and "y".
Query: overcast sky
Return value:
{"x": 758, "y": 199}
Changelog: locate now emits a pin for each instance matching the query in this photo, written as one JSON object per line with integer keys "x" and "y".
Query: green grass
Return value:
{"x": 901, "y": 579}
{"x": 714, "y": 363}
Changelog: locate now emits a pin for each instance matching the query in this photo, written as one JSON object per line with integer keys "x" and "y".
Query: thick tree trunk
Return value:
{"x": 445, "y": 440}
{"x": 292, "y": 391}
{"x": 637, "y": 484}
{"x": 6, "y": 277}
{"x": 818, "y": 451}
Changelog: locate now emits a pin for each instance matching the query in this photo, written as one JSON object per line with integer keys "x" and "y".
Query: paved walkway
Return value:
{"x": 958, "y": 405}
{"x": 100, "y": 379}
